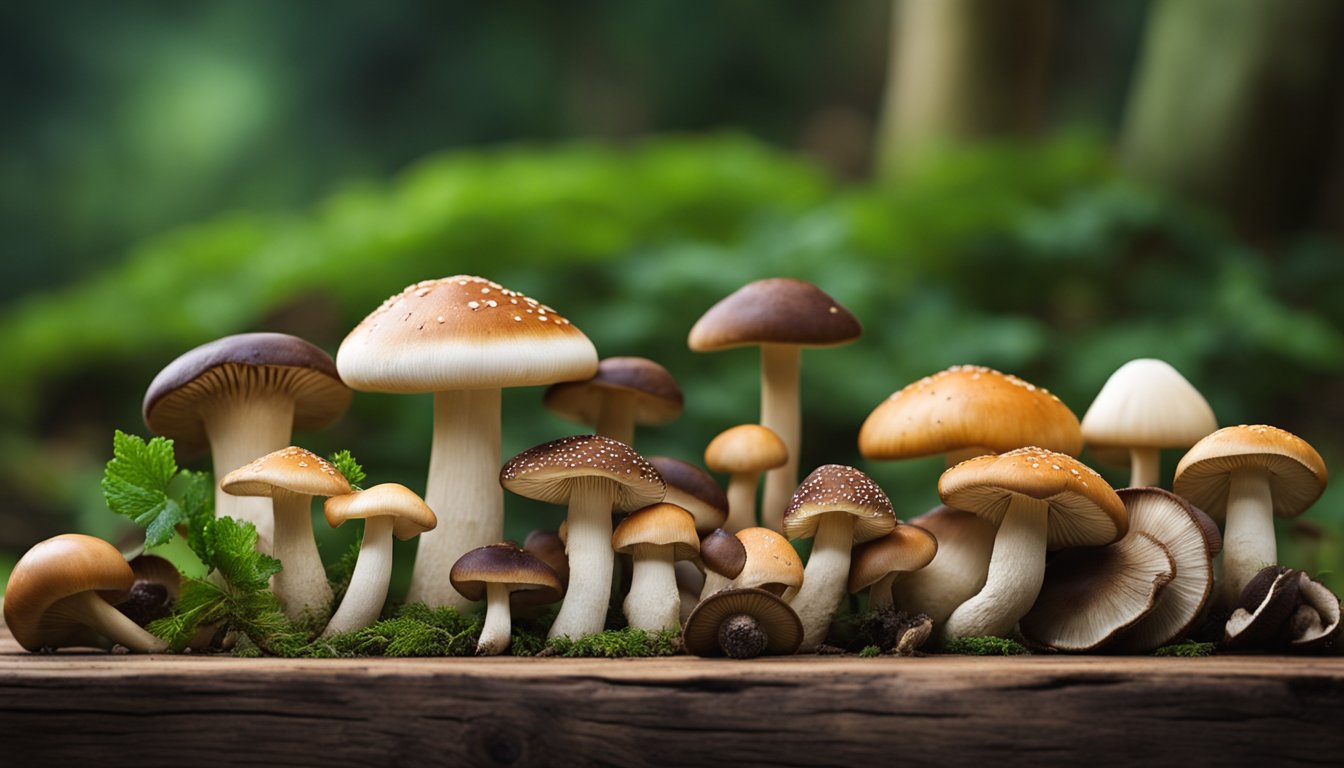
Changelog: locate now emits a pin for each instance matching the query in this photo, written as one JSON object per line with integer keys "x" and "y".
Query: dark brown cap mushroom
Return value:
{"x": 724, "y": 557}
{"x": 496, "y": 572}
{"x": 694, "y": 490}
{"x": 625, "y": 392}
{"x": 742, "y": 623}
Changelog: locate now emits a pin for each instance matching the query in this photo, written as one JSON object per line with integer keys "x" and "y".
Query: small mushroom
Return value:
{"x": 742, "y": 623}
{"x": 744, "y": 452}
{"x": 694, "y": 490}
{"x": 157, "y": 586}
{"x": 496, "y": 573}
{"x": 655, "y": 537}
{"x": 1315, "y": 628}
{"x": 723, "y": 556}
{"x": 772, "y": 563}
{"x": 878, "y": 563}
{"x": 958, "y": 569}
{"x": 1264, "y": 609}
{"x": 625, "y": 392}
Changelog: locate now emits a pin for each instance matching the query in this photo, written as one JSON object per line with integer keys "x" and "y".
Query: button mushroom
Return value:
{"x": 496, "y": 573}
{"x": 655, "y": 537}
{"x": 875, "y": 565}
{"x": 744, "y": 451}
{"x": 772, "y": 563}
{"x": 958, "y": 569}
{"x": 624, "y": 392}
{"x": 742, "y": 623}
{"x": 723, "y": 556}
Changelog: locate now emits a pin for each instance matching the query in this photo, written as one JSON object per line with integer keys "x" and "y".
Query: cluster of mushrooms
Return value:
{"x": 1029, "y": 542}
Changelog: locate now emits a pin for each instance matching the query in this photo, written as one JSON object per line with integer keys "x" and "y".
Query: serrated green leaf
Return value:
{"x": 231, "y": 548}
{"x": 135, "y": 484}
{"x": 346, "y": 464}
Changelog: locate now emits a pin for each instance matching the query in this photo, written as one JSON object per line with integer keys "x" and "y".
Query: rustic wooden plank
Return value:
{"x": 171, "y": 710}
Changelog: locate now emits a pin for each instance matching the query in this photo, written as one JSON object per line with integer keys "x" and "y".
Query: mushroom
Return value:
{"x": 593, "y": 475}
{"x": 1315, "y": 624}
{"x": 958, "y": 569}
{"x": 694, "y": 490}
{"x": 1245, "y": 476}
{"x": 742, "y": 623}
{"x": 461, "y": 338}
{"x": 781, "y": 316}
{"x": 624, "y": 392}
{"x": 1040, "y": 500}
{"x": 242, "y": 396}
{"x": 723, "y": 556}
{"x": 1144, "y": 406}
{"x": 157, "y": 586}
{"x": 879, "y": 562}
{"x": 388, "y": 510}
{"x": 772, "y": 563}
{"x": 837, "y": 507}
{"x": 291, "y": 477}
{"x": 58, "y": 596}
{"x": 1264, "y": 610}
{"x": 497, "y": 573}
{"x": 656, "y": 536}
{"x": 744, "y": 451}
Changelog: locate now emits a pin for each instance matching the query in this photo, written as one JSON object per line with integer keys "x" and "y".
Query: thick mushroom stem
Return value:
{"x": 584, "y": 610}
{"x": 240, "y": 429}
{"x": 653, "y": 603}
{"x": 616, "y": 417}
{"x": 301, "y": 587}
{"x": 741, "y": 637}
{"x": 463, "y": 490}
{"x": 364, "y": 598}
{"x": 1016, "y": 572}
{"x": 824, "y": 578}
{"x": 713, "y": 583}
{"x": 742, "y": 501}
{"x": 879, "y": 595}
{"x": 1145, "y": 467}
{"x": 498, "y": 626}
{"x": 780, "y": 412}
{"x": 92, "y": 611}
{"x": 1248, "y": 532}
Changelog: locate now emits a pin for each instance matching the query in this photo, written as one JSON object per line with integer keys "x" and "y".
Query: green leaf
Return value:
{"x": 231, "y": 548}
{"x": 198, "y": 502}
{"x": 345, "y": 463}
{"x": 135, "y": 484}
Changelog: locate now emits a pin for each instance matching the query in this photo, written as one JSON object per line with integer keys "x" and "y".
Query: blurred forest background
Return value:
{"x": 1048, "y": 188}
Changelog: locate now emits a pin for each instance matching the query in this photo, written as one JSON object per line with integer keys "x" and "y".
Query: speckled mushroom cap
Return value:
{"x": 505, "y": 564}
{"x": 746, "y": 448}
{"x": 723, "y": 553}
{"x": 1147, "y": 404}
{"x": 782, "y": 627}
{"x": 1297, "y": 475}
{"x": 694, "y": 490}
{"x": 658, "y": 399}
{"x": 411, "y": 516}
{"x": 777, "y": 310}
{"x": 1084, "y": 511}
{"x": 968, "y": 406}
{"x": 907, "y": 548}
{"x": 772, "y": 562}
{"x": 53, "y": 570}
{"x": 291, "y": 469}
{"x": 462, "y": 332}
{"x": 242, "y": 366}
{"x": 838, "y": 488}
{"x": 548, "y": 472}
{"x": 660, "y": 523}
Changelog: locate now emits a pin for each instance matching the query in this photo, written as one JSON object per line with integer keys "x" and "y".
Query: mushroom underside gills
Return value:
{"x": 1145, "y": 467}
{"x": 1016, "y": 572}
{"x": 1248, "y": 532}
{"x": 301, "y": 586}
{"x": 616, "y": 417}
{"x": 584, "y": 609}
{"x": 90, "y": 610}
{"x": 653, "y": 602}
{"x": 498, "y": 624}
{"x": 741, "y": 501}
{"x": 364, "y": 598}
{"x": 780, "y": 369}
{"x": 241, "y": 429}
{"x": 824, "y": 578}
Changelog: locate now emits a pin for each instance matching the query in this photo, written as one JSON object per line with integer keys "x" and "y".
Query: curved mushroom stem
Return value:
{"x": 1016, "y": 572}
{"x": 653, "y": 603}
{"x": 780, "y": 366}
{"x": 301, "y": 587}
{"x": 463, "y": 490}
{"x": 498, "y": 621}
{"x": 364, "y": 598}
{"x": 616, "y": 417}
{"x": 879, "y": 595}
{"x": 741, "y": 637}
{"x": 97, "y": 614}
{"x": 584, "y": 610}
{"x": 1248, "y": 532}
{"x": 713, "y": 583}
{"x": 741, "y": 501}
{"x": 240, "y": 430}
{"x": 824, "y": 578}
{"x": 1145, "y": 467}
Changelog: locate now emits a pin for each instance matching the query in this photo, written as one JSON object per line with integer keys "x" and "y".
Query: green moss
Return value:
{"x": 870, "y": 651}
{"x": 618, "y": 644}
{"x": 1186, "y": 649}
{"x": 986, "y": 646}
{"x": 414, "y": 630}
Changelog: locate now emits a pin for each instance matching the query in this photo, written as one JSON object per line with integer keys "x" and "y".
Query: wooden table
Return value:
{"x": 66, "y": 708}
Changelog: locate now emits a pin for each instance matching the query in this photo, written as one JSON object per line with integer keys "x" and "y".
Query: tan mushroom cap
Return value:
{"x": 462, "y": 332}
{"x": 503, "y": 563}
{"x": 1083, "y": 509}
{"x": 1297, "y": 474}
{"x": 907, "y": 548}
{"x": 411, "y": 515}
{"x": 694, "y": 490}
{"x": 663, "y": 524}
{"x": 777, "y": 310}
{"x": 746, "y": 448}
{"x": 968, "y": 407}
{"x": 658, "y": 399}
{"x": 53, "y": 570}
{"x": 549, "y": 472}
{"x": 772, "y": 562}
{"x": 293, "y": 469}
{"x": 782, "y": 627}
{"x": 838, "y": 488}
{"x": 1147, "y": 403}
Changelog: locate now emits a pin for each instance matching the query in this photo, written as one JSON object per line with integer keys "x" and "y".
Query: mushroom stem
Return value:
{"x": 498, "y": 625}
{"x": 1016, "y": 572}
{"x": 824, "y": 577}
{"x": 653, "y": 603}
{"x": 1248, "y": 532}
{"x": 713, "y": 583}
{"x": 92, "y": 611}
{"x": 741, "y": 637}
{"x": 584, "y": 610}
{"x": 364, "y": 598}
{"x": 301, "y": 587}
{"x": 463, "y": 490}
{"x": 241, "y": 429}
{"x": 1145, "y": 467}
{"x": 616, "y": 417}
{"x": 780, "y": 365}
{"x": 879, "y": 595}
{"x": 741, "y": 501}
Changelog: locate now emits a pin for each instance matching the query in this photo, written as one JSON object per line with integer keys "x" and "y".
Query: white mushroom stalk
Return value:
{"x": 584, "y": 610}
{"x": 301, "y": 587}
{"x": 780, "y": 412}
{"x": 824, "y": 577}
{"x": 1016, "y": 572}
{"x": 240, "y": 429}
{"x": 1145, "y": 467}
{"x": 742, "y": 501}
{"x": 653, "y": 602}
{"x": 1248, "y": 535}
{"x": 367, "y": 592}
{"x": 498, "y": 626}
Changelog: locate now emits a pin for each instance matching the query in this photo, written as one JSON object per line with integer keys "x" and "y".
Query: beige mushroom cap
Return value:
{"x": 746, "y": 448}
{"x": 838, "y": 488}
{"x": 772, "y": 562}
{"x": 291, "y": 469}
{"x": 1147, "y": 403}
{"x": 1297, "y": 474}
{"x": 53, "y": 570}
{"x": 411, "y": 515}
{"x": 907, "y": 548}
{"x": 663, "y": 524}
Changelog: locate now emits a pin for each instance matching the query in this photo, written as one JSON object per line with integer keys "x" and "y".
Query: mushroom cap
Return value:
{"x": 772, "y": 562}
{"x": 242, "y": 366}
{"x": 1147, "y": 404}
{"x": 53, "y": 570}
{"x": 462, "y": 332}
{"x": 907, "y": 548}
{"x": 694, "y": 490}
{"x": 782, "y": 627}
{"x": 1264, "y": 609}
{"x": 411, "y": 515}
{"x": 158, "y": 570}
{"x": 723, "y": 553}
{"x": 658, "y": 399}
{"x": 1322, "y": 608}
{"x": 838, "y": 488}
{"x": 1297, "y": 475}
{"x": 503, "y": 563}
{"x": 661, "y": 523}
{"x": 548, "y": 472}
{"x": 965, "y": 407}
{"x": 776, "y": 310}
{"x": 293, "y": 469}
{"x": 546, "y": 544}
{"x": 1083, "y": 510}
{"x": 746, "y": 448}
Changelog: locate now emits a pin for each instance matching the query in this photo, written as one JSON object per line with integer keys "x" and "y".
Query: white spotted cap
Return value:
{"x": 549, "y": 472}
{"x": 838, "y": 488}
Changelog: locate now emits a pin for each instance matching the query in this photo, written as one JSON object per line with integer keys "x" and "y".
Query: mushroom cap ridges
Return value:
{"x": 907, "y": 548}
{"x": 1297, "y": 474}
{"x": 293, "y": 469}
{"x": 838, "y": 488}
{"x": 243, "y": 365}
{"x": 661, "y": 523}
{"x": 55, "y": 569}
{"x": 776, "y": 310}
{"x": 411, "y": 515}
{"x": 504, "y": 563}
{"x": 694, "y": 490}
{"x": 1083, "y": 509}
{"x": 1147, "y": 403}
{"x": 462, "y": 332}
{"x": 964, "y": 407}
{"x": 548, "y": 472}
{"x": 658, "y": 399}
{"x": 746, "y": 448}
{"x": 782, "y": 627}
